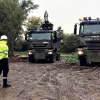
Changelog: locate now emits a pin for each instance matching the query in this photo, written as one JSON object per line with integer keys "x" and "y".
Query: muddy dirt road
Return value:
{"x": 58, "y": 81}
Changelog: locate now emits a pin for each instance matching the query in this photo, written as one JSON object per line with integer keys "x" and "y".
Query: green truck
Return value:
{"x": 89, "y": 40}
{"x": 45, "y": 43}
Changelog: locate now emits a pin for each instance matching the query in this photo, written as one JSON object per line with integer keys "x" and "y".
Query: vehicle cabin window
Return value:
{"x": 40, "y": 36}
{"x": 82, "y": 29}
{"x": 88, "y": 28}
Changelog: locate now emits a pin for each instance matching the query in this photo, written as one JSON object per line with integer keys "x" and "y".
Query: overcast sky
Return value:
{"x": 66, "y": 13}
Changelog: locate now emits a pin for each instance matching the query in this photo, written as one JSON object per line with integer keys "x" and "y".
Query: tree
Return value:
{"x": 70, "y": 43}
{"x": 28, "y": 5}
{"x": 34, "y": 22}
{"x": 21, "y": 44}
{"x": 11, "y": 19}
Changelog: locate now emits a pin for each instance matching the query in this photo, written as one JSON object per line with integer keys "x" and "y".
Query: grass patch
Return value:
{"x": 72, "y": 58}
{"x": 68, "y": 57}
{"x": 21, "y": 53}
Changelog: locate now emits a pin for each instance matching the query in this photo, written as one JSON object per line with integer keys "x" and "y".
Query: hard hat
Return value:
{"x": 4, "y": 37}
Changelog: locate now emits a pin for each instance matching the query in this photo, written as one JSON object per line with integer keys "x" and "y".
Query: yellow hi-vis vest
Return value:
{"x": 3, "y": 50}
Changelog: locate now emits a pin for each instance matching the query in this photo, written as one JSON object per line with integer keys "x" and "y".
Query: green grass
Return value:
{"x": 21, "y": 53}
{"x": 68, "y": 57}
{"x": 72, "y": 58}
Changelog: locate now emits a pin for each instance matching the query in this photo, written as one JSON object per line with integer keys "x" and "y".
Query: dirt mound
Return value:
{"x": 17, "y": 58}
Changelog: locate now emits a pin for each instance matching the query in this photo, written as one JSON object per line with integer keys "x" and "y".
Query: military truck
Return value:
{"x": 89, "y": 40}
{"x": 44, "y": 44}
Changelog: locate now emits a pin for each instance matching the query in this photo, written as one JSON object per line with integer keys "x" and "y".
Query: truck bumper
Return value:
{"x": 39, "y": 55}
{"x": 42, "y": 55}
{"x": 93, "y": 56}
{"x": 90, "y": 55}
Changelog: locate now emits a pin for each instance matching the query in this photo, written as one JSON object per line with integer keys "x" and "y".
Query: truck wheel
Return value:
{"x": 83, "y": 62}
{"x": 53, "y": 59}
{"x": 31, "y": 59}
{"x": 92, "y": 64}
{"x": 58, "y": 57}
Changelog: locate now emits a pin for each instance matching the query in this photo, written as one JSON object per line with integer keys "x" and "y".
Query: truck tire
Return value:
{"x": 53, "y": 59}
{"x": 31, "y": 59}
{"x": 92, "y": 64}
{"x": 83, "y": 61}
{"x": 58, "y": 57}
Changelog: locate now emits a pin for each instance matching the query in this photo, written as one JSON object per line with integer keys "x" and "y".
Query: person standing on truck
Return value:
{"x": 4, "y": 67}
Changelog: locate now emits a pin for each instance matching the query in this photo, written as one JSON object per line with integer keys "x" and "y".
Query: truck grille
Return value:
{"x": 39, "y": 45}
{"x": 93, "y": 45}
{"x": 39, "y": 50}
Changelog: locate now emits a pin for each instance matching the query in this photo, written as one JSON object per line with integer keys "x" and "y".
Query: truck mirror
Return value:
{"x": 75, "y": 28}
{"x": 30, "y": 39}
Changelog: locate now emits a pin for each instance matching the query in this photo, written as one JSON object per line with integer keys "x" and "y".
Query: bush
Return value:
{"x": 21, "y": 45}
{"x": 70, "y": 44}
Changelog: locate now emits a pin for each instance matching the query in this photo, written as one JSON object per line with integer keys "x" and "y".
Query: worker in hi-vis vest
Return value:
{"x": 4, "y": 67}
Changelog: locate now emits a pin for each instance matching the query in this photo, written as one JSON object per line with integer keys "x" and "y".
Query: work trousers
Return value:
{"x": 4, "y": 67}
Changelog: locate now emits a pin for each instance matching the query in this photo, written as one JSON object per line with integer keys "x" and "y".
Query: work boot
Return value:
{"x": 5, "y": 85}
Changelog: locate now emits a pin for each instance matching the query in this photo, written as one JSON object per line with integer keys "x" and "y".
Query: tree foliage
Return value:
{"x": 28, "y": 5}
{"x": 21, "y": 44}
{"x": 70, "y": 43}
{"x": 34, "y": 22}
{"x": 11, "y": 19}
{"x": 12, "y": 16}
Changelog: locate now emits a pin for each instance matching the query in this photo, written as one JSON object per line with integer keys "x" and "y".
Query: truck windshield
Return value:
{"x": 41, "y": 36}
{"x": 90, "y": 29}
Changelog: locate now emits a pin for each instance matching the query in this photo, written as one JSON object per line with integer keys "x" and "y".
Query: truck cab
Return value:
{"x": 44, "y": 45}
{"x": 89, "y": 40}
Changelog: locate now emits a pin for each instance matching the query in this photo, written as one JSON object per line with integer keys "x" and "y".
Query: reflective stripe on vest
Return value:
{"x": 4, "y": 77}
{"x": 5, "y": 51}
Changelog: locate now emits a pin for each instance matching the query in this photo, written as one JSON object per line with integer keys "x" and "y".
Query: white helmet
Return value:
{"x": 4, "y": 37}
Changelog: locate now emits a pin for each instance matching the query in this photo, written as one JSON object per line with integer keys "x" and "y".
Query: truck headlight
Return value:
{"x": 80, "y": 52}
{"x": 29, "y": 52}
{"x": 49, "y": 52}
